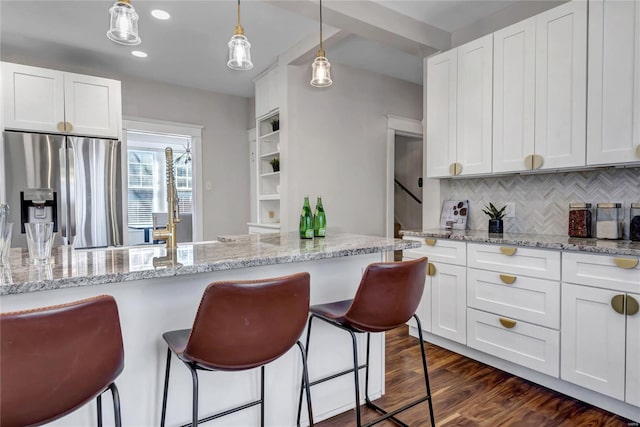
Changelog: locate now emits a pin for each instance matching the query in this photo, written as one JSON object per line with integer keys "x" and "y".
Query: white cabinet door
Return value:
{"x": 632, "y": 394}
{"x": 593, "y": 340}
{"x": 474, "y": 106}
{"x": 513, "y": 95}
{"x": 442, "y": 80}
{"x": 274, "y": 89}
{"x": 33, "y": 98}
{"x": 92, "y": 105}
{"x": 613, "y": 133}
{"x": 449, "y": 302}
{"x": 561, "y": 85}
{"x": 262, "y": 96}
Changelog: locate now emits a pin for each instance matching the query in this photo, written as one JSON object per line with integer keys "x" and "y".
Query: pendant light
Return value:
{"x": 239, "y": 49}
{"x": 321, "y": 69}
{"x": 123, "y": 28}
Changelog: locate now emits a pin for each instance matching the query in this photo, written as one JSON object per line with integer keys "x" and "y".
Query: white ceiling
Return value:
{"x": 191, "y": 48}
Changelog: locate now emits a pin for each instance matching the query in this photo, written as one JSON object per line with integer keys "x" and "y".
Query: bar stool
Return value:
{"x": 242, "y": 325}
{"x": 55, "y": 359}
{"x": 387, "y": 297}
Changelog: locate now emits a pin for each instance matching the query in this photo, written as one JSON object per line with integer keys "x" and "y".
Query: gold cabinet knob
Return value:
{"x": 430, "y": 242}
{"x": 61, "y": 126}
{"x": 537, "y": 161}
{"x": 617, "y": 303}
{"x": 507, "y": 279}
{"x": 508, "y": 250}
{"x": 528, "y": 162}
{"x": 507, "y": 323}
{"x": 68, "y": 127}
{"x": 632, "y": 305}
{"x": 627, "y": 263}
{"x": 455, "y": 169}
{"x": 431, "y": 269}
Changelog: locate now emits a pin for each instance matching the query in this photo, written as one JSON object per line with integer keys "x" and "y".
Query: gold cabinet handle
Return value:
{"x": 68, "y": 127}
{"x": 507, "y": 278}
{"x": 61, "y": 126}
{"x": 632, "y": 305}
{"x": 528, "y": 162}
{"x": 617, "y": 303}
{"x": 430, "y": 242}
{"x": 538, "y": 160}
{"x": 626, "y": 262}
{"x": 507, "y": 323}
{"x": 508, "y": 250}
{"x": 455, "y": 169}
{"x": 431, "y": 269}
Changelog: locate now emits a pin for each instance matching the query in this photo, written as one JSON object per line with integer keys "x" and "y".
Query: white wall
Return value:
{"x": 336, "y": 145}
{"x": 225, "y": 150}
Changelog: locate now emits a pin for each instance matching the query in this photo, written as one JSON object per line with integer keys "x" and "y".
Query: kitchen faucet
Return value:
{"x": 173, "y": 216}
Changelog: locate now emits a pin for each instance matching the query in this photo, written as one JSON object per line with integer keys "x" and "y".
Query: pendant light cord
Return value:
{"x": 238, "y": 13}
{"x": 321, "y": 49}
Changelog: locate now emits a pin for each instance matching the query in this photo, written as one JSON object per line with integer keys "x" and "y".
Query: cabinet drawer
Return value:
{"x": 602, "y": 271}
{"x": 542, "y": 264}
{"x": 526, "y": 298}
{"x": 528, "y": 345}
{"x": 438, "y": 250}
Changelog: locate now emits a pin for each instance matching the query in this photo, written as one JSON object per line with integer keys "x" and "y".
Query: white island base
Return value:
{"x": 150, "y": 307}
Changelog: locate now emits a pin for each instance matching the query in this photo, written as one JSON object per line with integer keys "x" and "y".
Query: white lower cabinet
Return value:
{"x": 597, "y": 336}
{"x": 448, "y": 302}
{"x": 519, "y": 342}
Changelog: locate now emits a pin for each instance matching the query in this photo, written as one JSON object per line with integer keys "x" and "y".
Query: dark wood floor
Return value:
{"x": 469, "y": 393}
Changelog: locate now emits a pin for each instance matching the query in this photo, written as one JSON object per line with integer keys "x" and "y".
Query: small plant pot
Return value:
{"x": 496, "y": 226}
{"x": 275, "y": 125}
{"x": 276, "y": 168}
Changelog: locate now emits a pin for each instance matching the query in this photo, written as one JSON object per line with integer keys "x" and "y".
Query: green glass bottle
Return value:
{"x": 306, "y": 220}
{"x": 319, "y": 220}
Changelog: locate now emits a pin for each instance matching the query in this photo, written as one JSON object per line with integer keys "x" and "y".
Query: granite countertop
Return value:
{"x": 71, "y": 268}
{"x": 610, "y": 247}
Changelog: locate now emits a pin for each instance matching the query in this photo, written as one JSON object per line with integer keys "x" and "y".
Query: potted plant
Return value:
{"x": 275, "y": 124}
{"x": 495, "y": 218}
{"x": 275, "y": 164}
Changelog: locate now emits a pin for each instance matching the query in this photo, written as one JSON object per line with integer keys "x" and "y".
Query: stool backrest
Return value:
{"x": 55, "y": 359}
{"x": 241, "y": 325}
{"x": 388, "y": 295}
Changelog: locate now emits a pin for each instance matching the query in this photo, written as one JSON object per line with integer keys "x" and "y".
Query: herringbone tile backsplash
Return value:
{"x": 542, "y": 201}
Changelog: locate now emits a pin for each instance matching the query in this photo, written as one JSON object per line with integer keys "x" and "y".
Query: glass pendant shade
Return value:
{"x": 321, "y": 72}
{"x": 123, "y": 28}
{"x": 239, "y": 53}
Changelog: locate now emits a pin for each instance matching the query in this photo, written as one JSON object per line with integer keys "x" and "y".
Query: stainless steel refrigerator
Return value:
{"x": 72, "y": 181}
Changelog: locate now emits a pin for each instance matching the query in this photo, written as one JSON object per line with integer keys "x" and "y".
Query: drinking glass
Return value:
{"x": 5, "y": 242}
{"x": 39, "y": 241}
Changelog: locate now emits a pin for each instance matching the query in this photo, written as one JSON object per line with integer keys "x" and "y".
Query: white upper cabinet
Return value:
{"x": 513, "y": 95}
{"x": 458, "y": 110}
{"x": 613, "y": 132}
{"x": 474, "y": 113}
{"x": 43, "y": 100}
{"x": 267, "y": 93}
{"x": 561, "y": 81}
{"x": 442, "y": 81}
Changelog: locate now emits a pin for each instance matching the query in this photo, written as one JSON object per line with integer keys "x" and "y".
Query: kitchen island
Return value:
{"x": 159, "y": 290}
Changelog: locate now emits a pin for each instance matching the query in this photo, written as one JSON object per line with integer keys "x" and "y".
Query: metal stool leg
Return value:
{"x": 424, "y": 367}
{"x": 355, "y": 377}
{"x": 306, "y": 356}
{"x": 116, "y": 404}
{"x": 99, "y": 403}
{"x": 194, "y": 408}
{"x": 305, "y": 384}
{"x": 166, "y": 388}
{"x": 262, "y": 396}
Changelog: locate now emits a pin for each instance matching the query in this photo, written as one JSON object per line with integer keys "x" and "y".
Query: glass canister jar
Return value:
{"x": 580, "y": 219}
{"x": 609, "y": 221}
{"x": 634, "y": 222}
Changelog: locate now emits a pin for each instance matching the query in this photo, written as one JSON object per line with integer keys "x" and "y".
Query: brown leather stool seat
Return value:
{"x": 242, "y": 325}
{"x": 53, "y": 360}
{"x": 387, "y": 297}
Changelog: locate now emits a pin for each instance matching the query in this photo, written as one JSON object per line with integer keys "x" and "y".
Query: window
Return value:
{"x": 146, "y": 176}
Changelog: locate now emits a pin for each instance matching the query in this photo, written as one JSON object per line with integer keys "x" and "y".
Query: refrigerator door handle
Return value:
{"x": 62, "y": 221}
{"x": 72, "y": 195}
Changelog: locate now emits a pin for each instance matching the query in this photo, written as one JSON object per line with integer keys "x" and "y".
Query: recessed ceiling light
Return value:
{"x": 163, "y": 15}
{"x": 139, "y": 54}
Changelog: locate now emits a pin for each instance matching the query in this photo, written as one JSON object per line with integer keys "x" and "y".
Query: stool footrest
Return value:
{"x": 339, "y": 374}
{"x": 393, "y": 413}
{"x": 227, "y": 412}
